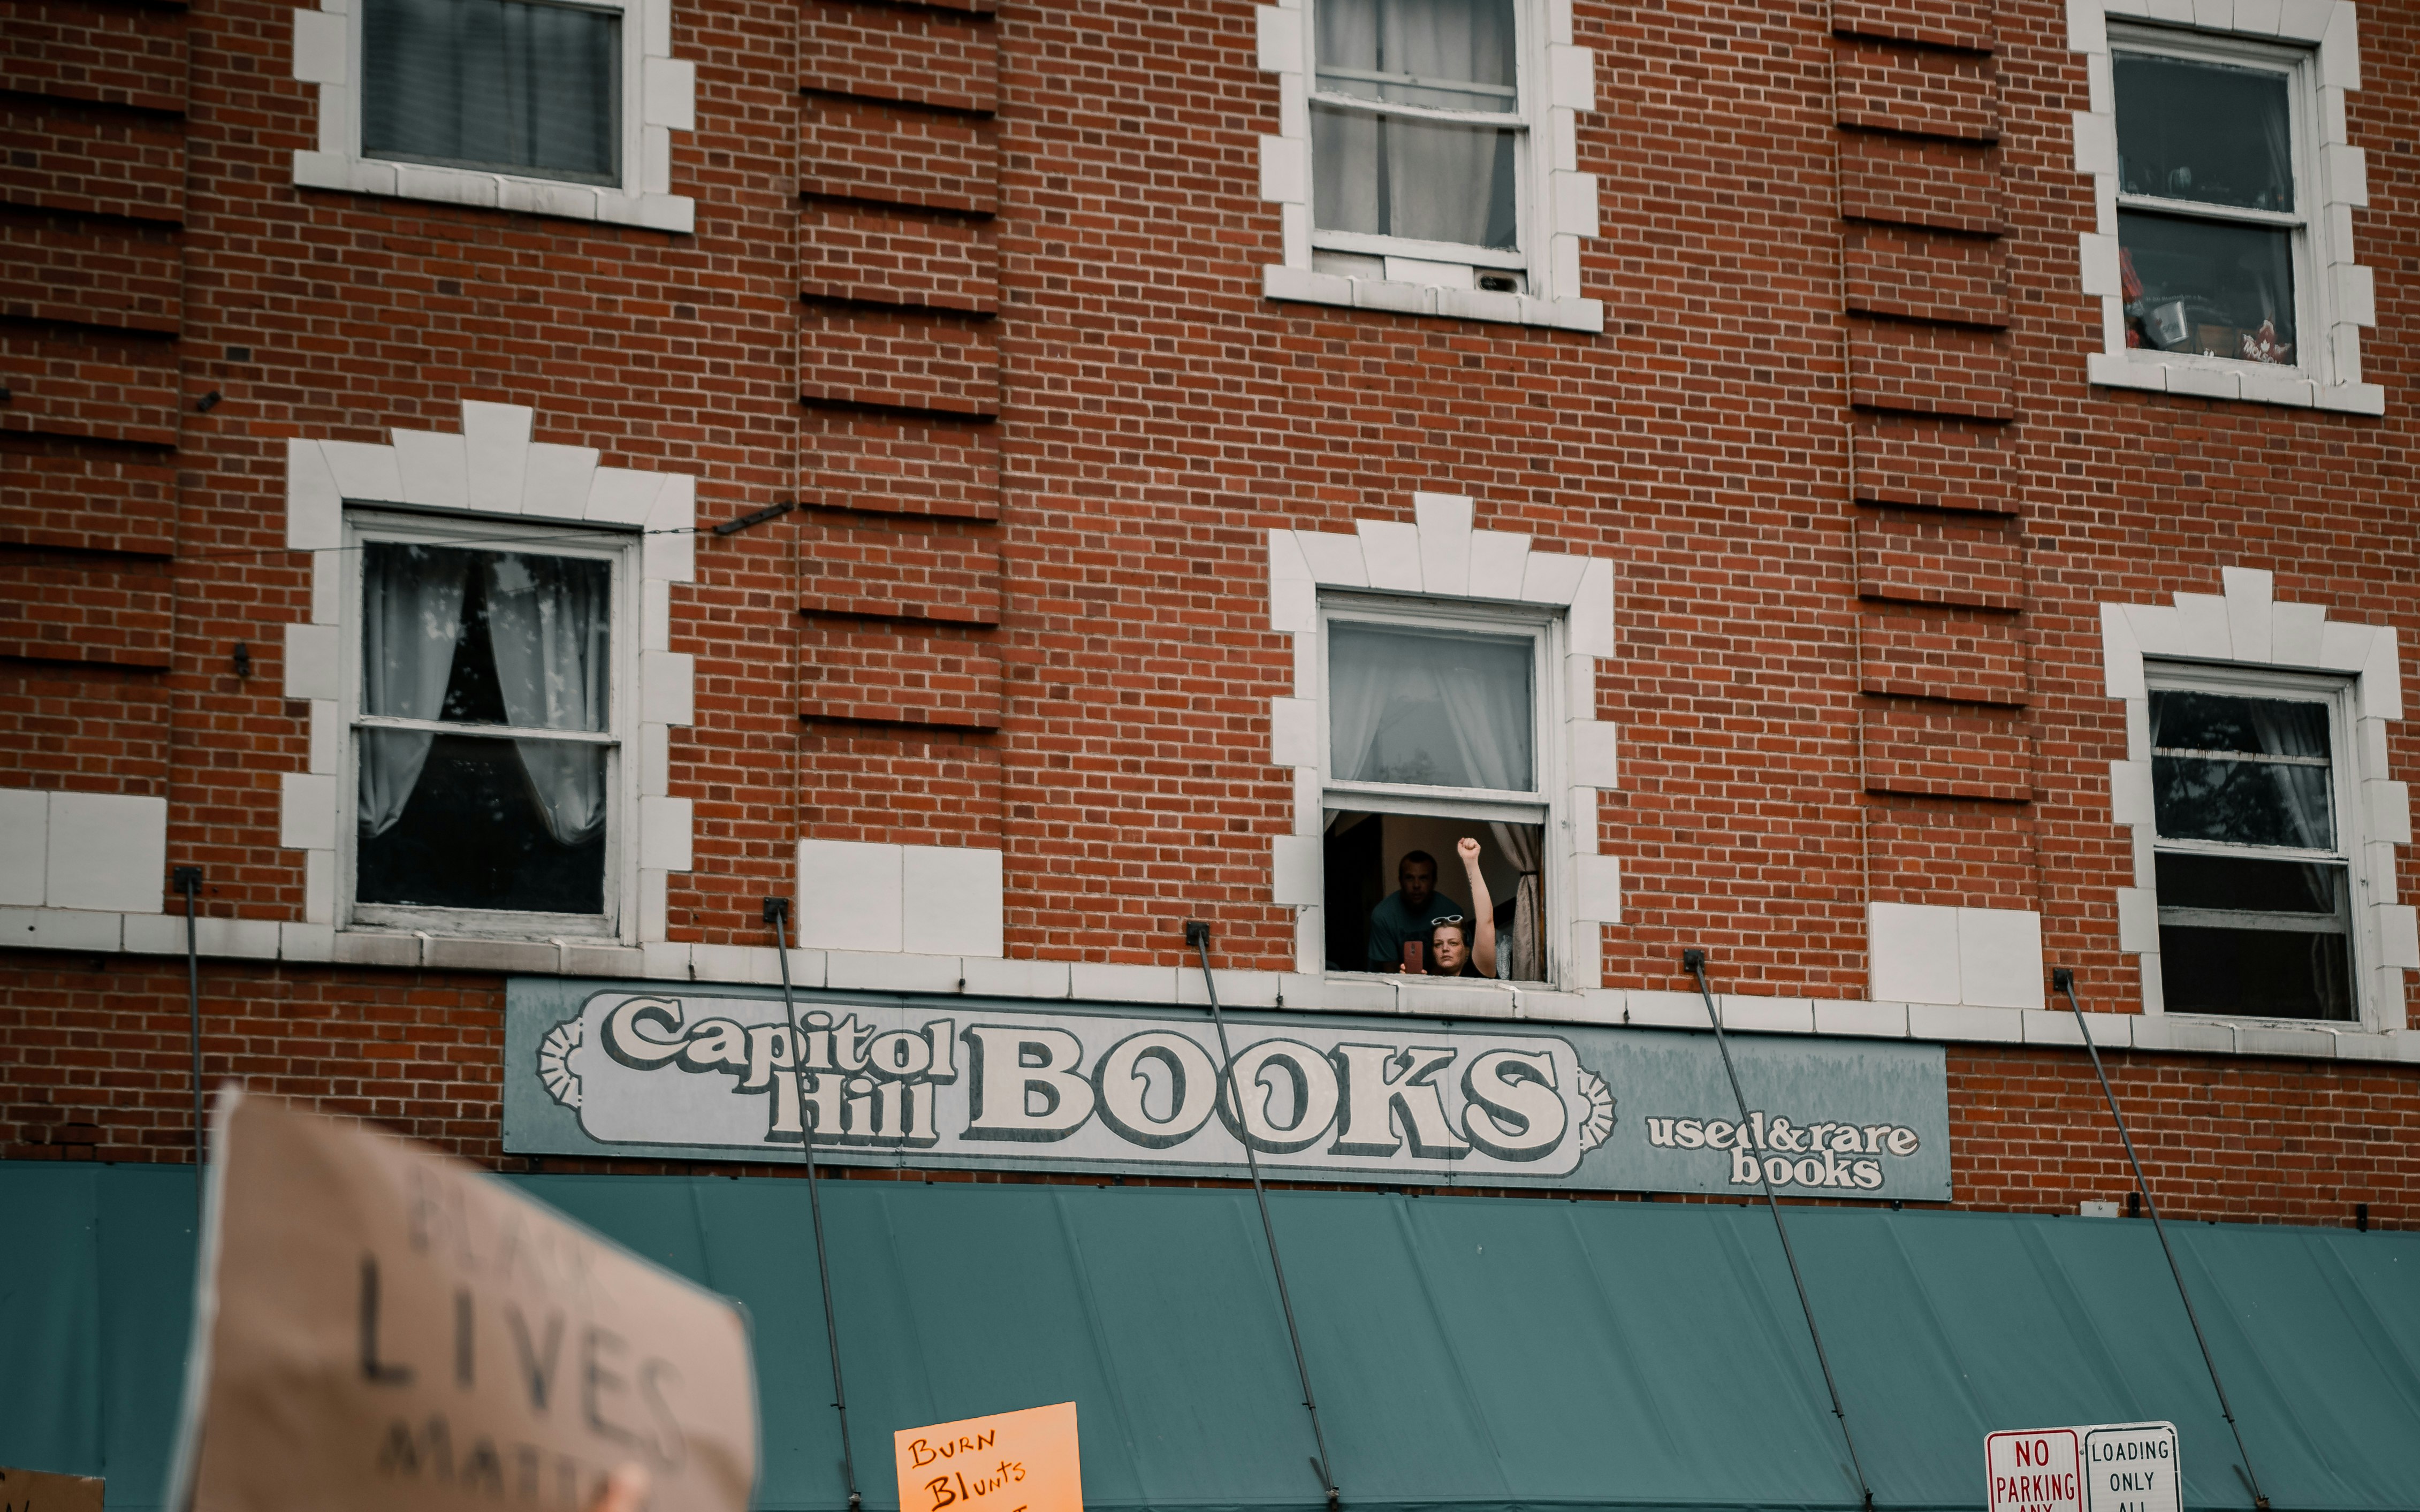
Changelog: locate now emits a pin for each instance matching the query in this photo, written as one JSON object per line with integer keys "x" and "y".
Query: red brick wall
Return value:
{"x": 981, "y": 293}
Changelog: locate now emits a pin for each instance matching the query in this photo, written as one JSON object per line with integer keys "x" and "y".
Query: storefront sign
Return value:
{"x": 716, "y": 1073}
{"x": 385, "y": 1329}
{"x": 2131, "y": 1467}
{"x": 1008, "y": 1462}
{"x": 2034, "y": 1470}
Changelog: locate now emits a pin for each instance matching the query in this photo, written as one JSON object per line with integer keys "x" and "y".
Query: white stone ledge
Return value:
{"x": 1304, "y": 286}
{"x": 67, "y": 928}
{"x": 2197, "y": 381}
{"x": 492, "y": 191}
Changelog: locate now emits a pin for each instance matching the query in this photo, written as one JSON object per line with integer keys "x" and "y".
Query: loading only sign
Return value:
{"x": 2131, "y": 1467}
{"x": 2103, "y": 1466}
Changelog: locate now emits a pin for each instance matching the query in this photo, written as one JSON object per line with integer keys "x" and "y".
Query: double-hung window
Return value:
{"x": 1419, "y": 133}
{"x": 1433, "y": 734}
{"x": 2252, "y": 850}
{"x": 486, "y": 719}
{"x": 513, "y": 86}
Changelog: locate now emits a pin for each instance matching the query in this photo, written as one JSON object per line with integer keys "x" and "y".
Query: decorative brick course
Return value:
{"x": 879, "y": 51}
{"x": 93, "y": 160}
{"x": 1957, "y": 655}
{"x": 1919, "y": 275}
{"x": 1953, "y": 186}
{"x": 861, "y": 149}
{"x": 109, "y": 54}
{"x": 1960, "y": 24}
{"x": 1939, "y": 558}
{"x": 1916, "y": 91}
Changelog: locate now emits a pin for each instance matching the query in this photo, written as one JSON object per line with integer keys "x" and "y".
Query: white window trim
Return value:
{"x": 365, "y": 524}
{"x": 1440, "y": 563}
{"x": 2244, "y": 632}
{"x": 2335, "y": 296}
{"x": 1559, "y": 202}
{"x": 490, "y": 471}
{"x": 658, "y": 98}
{"x": 1545, "y": 631}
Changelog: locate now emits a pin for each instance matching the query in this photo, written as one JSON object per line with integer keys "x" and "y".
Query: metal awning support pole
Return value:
{"x": 1694, "y": 962}
{"x": 1197, "y": 934}
{"x": 2062, "y": 980}
{"x": 777, "y": 914}
{"x": 189, "y": 882}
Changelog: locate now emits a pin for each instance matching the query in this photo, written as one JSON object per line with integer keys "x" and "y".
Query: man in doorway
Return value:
{"x": 1406, "y": 913}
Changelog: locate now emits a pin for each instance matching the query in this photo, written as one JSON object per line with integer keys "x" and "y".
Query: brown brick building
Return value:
{"x": 1902, "y": 496}
{"x": 1780, "y": 470}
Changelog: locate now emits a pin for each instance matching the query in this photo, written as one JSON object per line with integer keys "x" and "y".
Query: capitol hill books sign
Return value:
{"x": 698, "y": 1071}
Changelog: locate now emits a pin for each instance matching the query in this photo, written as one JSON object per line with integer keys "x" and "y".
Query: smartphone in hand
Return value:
{"x": 1413, "y": 952}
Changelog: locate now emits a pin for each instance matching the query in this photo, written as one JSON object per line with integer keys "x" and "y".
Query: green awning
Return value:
{"x": 1469, "y": 1353}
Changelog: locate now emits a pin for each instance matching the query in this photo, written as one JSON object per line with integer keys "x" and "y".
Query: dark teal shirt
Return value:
{"x": 1391, "y": 923}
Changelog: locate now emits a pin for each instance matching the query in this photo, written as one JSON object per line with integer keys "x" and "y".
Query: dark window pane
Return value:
{"x": 497, "y": 84}
{"x": 2183, "y": 720}
{"x": 475, "y": 834}
{"x": 2258, "y": 887}
{"x": 1389, "y": 176}
{"x": 2241, "y": 801}
{"x": 2208, "y": 288}
{"x": 2208, "y": 132}
{"x": 2256, "y": 973}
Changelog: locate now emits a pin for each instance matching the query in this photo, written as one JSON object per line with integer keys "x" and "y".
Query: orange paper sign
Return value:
{"x": 1007, "y": 1462}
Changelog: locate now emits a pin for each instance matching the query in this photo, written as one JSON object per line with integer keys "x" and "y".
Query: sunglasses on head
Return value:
{"x": 1435, "y": 919}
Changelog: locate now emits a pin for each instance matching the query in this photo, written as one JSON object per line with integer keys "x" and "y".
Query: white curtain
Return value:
{"x": 548, "y": 618}
{"x": 1520, "y": 955}
{"x": 411, "y": 622}
{"x": 1443, "y": 711}
{"x": 1394, "y": 177}
{"x": 2302, "y": 792}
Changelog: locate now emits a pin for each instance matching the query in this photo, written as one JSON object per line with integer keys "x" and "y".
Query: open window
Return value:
{"x": 1433, "y": 733}
{"x": 486, "y": 728}
{"x": 2253, "y": 851}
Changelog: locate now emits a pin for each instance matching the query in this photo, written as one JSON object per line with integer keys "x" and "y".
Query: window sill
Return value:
{"x": 490, "y": 190}
{"x": 2210, "y": 380}
{"x": 1302, "y": 286}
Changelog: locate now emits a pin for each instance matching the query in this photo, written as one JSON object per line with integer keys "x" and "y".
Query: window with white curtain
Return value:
{"x": 485, "y": 727}
{"x": 2253, "y": 851}
{"x": 513, "y": 86}
{"x": 1433, "y": 722}
{"x": 1419, "y": 133}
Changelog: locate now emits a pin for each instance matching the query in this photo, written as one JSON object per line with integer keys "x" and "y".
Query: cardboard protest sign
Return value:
{"x": 1008, "y": 1462}
{"x": 38, "y": 1490}
{"x": 383, "y": 1328}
